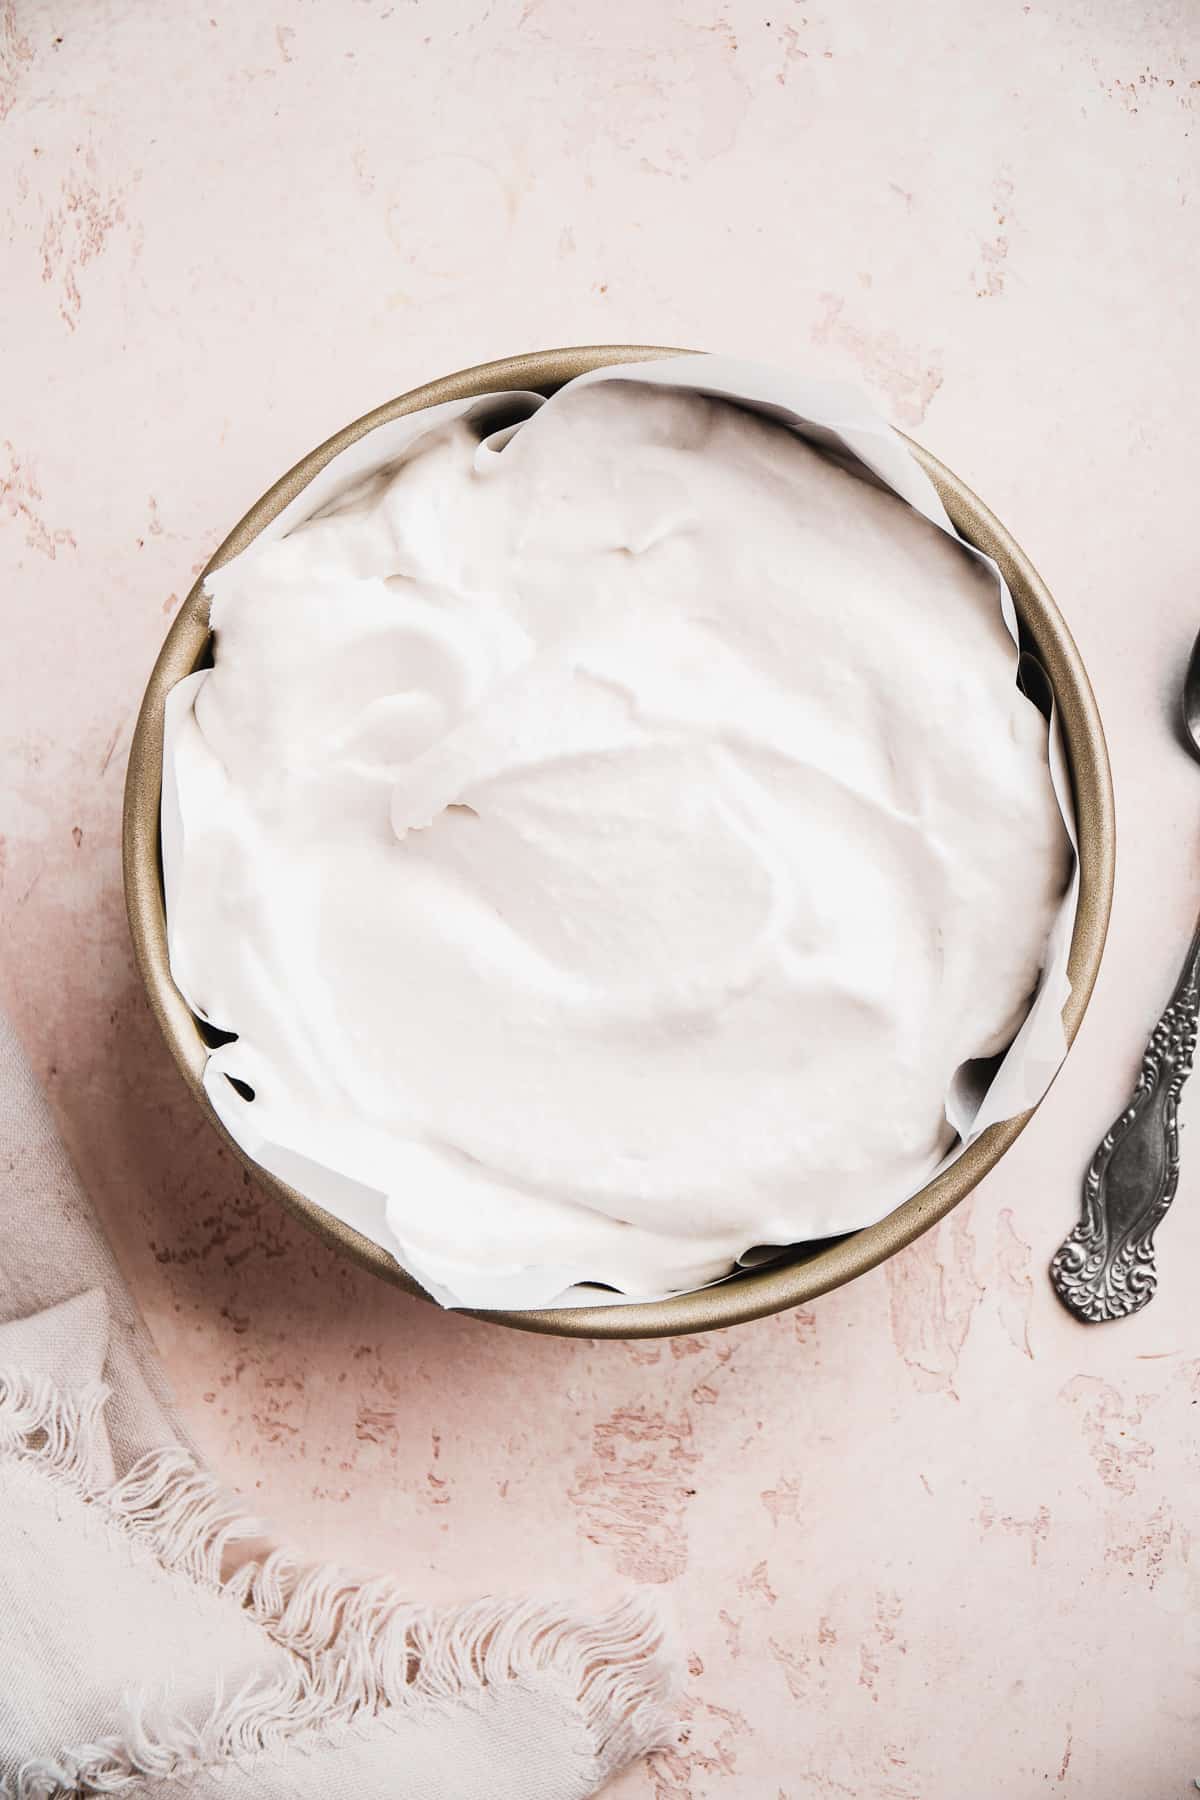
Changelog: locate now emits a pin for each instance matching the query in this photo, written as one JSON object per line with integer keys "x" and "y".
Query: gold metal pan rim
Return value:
{"x": 747, "y": 1296}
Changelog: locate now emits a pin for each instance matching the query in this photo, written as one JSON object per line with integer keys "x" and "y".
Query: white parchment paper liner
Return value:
{"x": 839, "y": 420}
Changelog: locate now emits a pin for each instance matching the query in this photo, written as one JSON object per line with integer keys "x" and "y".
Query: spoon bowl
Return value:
{"x": 1190, "y": 709}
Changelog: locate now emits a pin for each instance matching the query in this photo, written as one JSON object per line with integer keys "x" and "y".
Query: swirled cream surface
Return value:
{"x": 607, "y": 843}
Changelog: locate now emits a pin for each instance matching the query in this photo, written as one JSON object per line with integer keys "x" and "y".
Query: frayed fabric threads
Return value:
{"x": 345, "y": 1660}
{"x": 59, "y": 1429}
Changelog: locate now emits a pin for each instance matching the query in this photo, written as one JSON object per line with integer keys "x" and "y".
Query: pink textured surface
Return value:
{"x": 930, "y": 1537}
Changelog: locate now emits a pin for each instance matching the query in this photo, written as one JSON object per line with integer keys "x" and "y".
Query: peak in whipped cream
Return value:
{"x": 607, "y": 841}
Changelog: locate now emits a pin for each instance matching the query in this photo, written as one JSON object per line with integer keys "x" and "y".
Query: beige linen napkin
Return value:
{"x": 151, "y": 1644}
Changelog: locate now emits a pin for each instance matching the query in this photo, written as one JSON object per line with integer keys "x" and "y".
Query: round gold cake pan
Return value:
{"x": 810, "y": 1272}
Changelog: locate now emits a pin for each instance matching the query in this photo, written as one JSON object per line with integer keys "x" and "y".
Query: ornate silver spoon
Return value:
{"x": 1105, "y": 1269}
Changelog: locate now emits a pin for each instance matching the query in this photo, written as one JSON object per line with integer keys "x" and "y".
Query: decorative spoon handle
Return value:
{"x": 1105, "y": 1269}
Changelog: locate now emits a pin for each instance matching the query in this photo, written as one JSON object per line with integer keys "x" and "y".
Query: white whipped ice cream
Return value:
{"x": 607, "y": 848}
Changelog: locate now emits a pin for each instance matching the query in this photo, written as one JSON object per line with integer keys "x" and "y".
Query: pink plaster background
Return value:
{"x": 928, "y": 1538}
